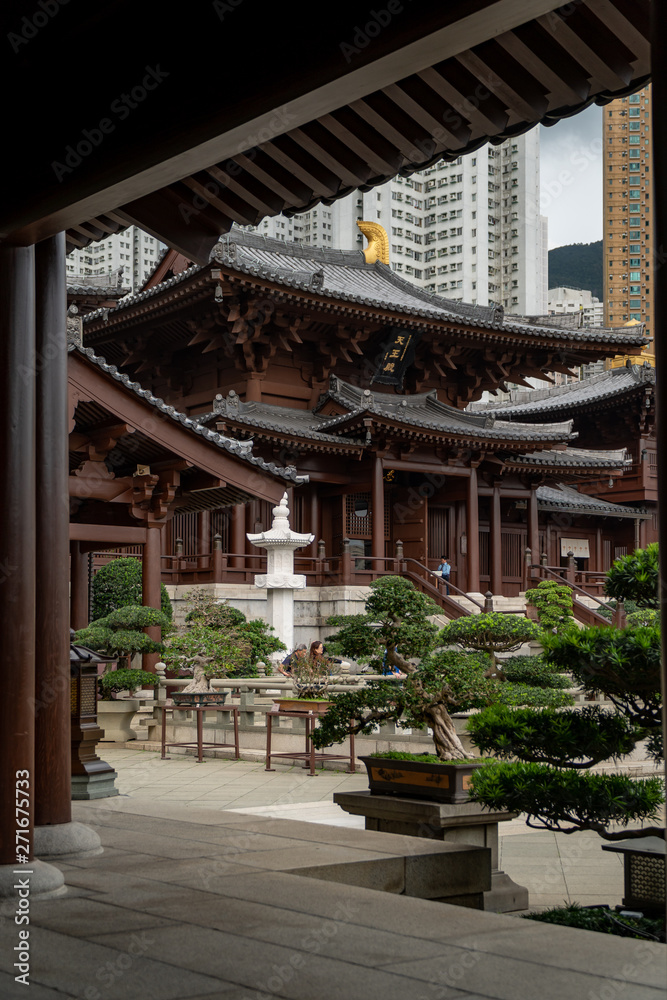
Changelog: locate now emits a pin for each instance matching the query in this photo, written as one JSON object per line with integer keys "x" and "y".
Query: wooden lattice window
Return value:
{"x": 513, "y": 545}
{"x": 359, "y": 516}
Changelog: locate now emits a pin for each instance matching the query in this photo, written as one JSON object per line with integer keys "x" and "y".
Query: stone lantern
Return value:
{"x": 280, "y": 580}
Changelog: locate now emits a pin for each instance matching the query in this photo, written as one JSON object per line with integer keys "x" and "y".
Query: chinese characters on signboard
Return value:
{"x": 398, "y": 356}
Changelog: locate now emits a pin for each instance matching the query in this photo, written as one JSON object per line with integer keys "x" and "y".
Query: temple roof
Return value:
{"x": 439, "y": 82}
{"x": 239, "y": 449}
{"x": 424, "y": 410}
{"x": 345, "y": 276}
{"x": 572, "y": 458}
{"x": 585, "y": 394}
{"x": 560, "y": 497}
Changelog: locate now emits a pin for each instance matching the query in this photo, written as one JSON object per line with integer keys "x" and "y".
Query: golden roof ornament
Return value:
{"x": 621, "y": 360}
{"x": 378, "y": 242}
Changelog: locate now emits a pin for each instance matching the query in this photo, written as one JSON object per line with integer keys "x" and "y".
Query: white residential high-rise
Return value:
{"x": 576, "y": 300}
{"x": 470, "y": 230}
{"x": 133, "y": 250}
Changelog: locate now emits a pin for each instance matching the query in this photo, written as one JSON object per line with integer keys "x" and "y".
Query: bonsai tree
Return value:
{"x": 218, "y": 640}
{"x": 396, "y": 617}
{"x": 553, "y": 602}
{"x": 635, "y": 577}
{"x": 125, "y": 679}
{"x": 556, "y": 748}
{"x": 118, "y": 583}
{"x": 217, "y": 653}
{"x": 120, "y": 633}
{"x": 491, "y": 633}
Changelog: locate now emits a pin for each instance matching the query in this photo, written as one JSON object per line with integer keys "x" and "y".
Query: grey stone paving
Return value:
{"x": 193, "y": 900}
{"x": 555, "y": 867}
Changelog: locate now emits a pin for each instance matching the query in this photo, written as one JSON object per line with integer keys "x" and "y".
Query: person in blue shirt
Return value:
{"x": 444, "y": 569}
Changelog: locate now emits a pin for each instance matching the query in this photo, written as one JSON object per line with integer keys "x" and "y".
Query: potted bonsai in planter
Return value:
{"x": 311, "y": 677}
{"x": 397, "y": 618}
{"x": 120, "y": 634}
{"x": 209, "y": 646}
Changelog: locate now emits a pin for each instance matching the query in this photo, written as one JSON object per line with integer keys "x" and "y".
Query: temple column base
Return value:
{"x": 62, "y": 841}
{"x": 43, "y": 881}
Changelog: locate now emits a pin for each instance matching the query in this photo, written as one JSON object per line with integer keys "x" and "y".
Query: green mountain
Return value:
{"x": 578, "y": 265}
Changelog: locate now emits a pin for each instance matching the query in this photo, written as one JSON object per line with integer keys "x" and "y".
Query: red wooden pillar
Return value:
{"x": 472, "y": 529}
{"x": 314, "y": 521}
{"x": 17, "y": 548}
{"x": 377, "y": 512}
{"x": 533, "y": 527}
{"x": 79, "y": 586}
{"x": 238, "y": 536}
{"x": 495, "y": 545}
{"x": 52, "y": 786}
{"x": 151, "y": 592}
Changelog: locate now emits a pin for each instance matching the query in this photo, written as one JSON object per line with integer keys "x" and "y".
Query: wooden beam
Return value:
{"x": 109, "y": 534}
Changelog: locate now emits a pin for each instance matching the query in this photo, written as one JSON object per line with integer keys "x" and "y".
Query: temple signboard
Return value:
{"x": 398, "y": 356}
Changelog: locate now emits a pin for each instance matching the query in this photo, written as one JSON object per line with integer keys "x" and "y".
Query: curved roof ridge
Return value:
{"x": 242, "y": 449}
{"x": 131, "y": 300}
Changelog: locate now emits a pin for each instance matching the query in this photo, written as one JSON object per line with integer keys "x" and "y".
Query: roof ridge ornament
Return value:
{"x": 378, "y": 242}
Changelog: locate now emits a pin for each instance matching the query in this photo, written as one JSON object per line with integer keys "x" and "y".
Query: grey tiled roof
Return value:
{"x": 102, "y": 292}
{"x": 345, "y": 275}
{"x": 562, "y": 497}
{"x": 587, "y": 392}
{"x": 425, "y": 410}
{"x": 575, "y": 458}
{"x": 131, "y": 300}
{"x": 240, "y": 449}
{"x": 282, "y": 419}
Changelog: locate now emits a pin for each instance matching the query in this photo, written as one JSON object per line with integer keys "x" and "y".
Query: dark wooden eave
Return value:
{"x": 163, "y": 443}
{"x": 436, "y": 80}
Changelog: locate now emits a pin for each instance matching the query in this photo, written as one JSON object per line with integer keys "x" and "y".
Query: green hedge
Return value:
{"x": 118, "y": 583}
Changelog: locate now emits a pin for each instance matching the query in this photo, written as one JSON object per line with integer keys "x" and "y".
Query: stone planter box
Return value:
{"x": 422, "y": 779}
{"x": 114, "y": 717}
{"x": 302, "y": 705}
{"x": 197, "y": 699}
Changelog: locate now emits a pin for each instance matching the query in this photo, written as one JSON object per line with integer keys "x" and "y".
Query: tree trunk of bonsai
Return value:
{"x": 447, "y": 744}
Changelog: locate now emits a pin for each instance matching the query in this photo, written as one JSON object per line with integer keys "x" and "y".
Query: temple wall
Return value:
{"x": 312, "y": 606}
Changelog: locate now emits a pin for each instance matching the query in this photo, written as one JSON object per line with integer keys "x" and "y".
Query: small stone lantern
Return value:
{"x": 280, "y": 580}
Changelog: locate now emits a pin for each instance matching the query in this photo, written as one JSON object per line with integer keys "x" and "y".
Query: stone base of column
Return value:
{"x": 44, "y": 880}
{"x": 62, "y": 841}
{"x": 94, "y": 786}
{"x": 505, "y": 896}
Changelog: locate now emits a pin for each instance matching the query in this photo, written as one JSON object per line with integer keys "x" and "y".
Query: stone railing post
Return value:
{"x": 618, "y": 617}
{"x": 571, "y": 568}
{"x": 246, "y": 707}
{"x": 528, "y": 562}
{"x": 398, "y": 569}
{"x": 488, "y": 601}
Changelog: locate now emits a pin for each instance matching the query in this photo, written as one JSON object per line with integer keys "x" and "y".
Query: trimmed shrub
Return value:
{"x": 553, "y": 602}
{"x": 118, "y": 583}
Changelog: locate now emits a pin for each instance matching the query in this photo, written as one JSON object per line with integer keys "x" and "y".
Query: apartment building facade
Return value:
{"x": 133, "y": 250}
{"x": 628, "y": 248}
{"x": 469, "y": 229}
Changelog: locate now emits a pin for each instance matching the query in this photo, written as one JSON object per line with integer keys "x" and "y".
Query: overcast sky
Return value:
{"x": 571, "y": 178}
